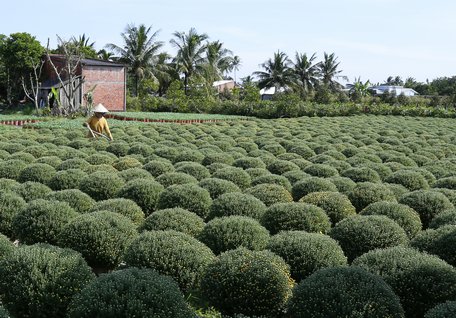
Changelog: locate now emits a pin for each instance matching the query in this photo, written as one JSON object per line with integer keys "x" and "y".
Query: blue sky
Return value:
{"x": 372, "y": 39}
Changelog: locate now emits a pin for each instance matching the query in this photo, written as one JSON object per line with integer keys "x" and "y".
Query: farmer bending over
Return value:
{"x": 97, "y": 123}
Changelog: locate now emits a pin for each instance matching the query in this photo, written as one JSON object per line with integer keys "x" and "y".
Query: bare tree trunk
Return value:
{"x": 33, "y": 92}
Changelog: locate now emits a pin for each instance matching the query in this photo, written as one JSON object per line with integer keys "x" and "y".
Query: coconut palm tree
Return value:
{"x": 306, "y": 72}
{"x": 277, "y": 72}
{"x": 139, "y": 51}
{"x": 234, "y": 66}
{"x": 329, "y": 71}
{"x": 218, "y": 61}
{"x": 190, "y": 53}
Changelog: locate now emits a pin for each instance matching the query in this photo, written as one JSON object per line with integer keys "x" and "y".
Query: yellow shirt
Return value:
{"x": 99, "y": 125}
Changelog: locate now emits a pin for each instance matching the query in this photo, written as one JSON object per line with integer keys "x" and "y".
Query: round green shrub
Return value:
{"x": 321, "y": 170}
{"x": 402, "y": 214}
{"x": 37, "y": 172}
{"x": 171, "y": 253}
{"x": 74, "y": 163}
{"x": 420, "y": 280}
{"x": 427, "y": 203}
{"x": 257, "y": 172}
{"x": 249, "y": 162}
{"x": 10, "y": 205}
{"x": 158, "y": 167}
{"x": 251, "y": 283}
{"x": 217, "y": 187}
{"x": 447, "y": 183}
{"x": 306, "y": 252}
{"x": 24, "y": 156}
{"x": 211, "y": 158}
{"x": 303, "y": 150}
{"x": 236, "y": 175}
{"x": 130, "y": 292}
{"x": 366, "y": 193}
{"x": 237, "y": 204}
{"x": 282, "y": 166}
{"x": 101, "y": 185}
{"x": 193, "y": 169}
{"x": 440, "y": 242}
{"x": 450, "y": 194}
{"x": 141, "y": 149}
{"x": 126, "y": 207}
{"x": 53, "y": 161}
{"x": 41, "y": 221}
{"x": 11, "y": 169}
{"x": 412, "y": 180}
{"x": 273, "y": 179}
{"x": 100, "y": 168}
{"x": 187, "y": 196}
{"x": 78, "y": 200}
{"x": 398, "y": 189}
{"x": 119, "y": 148}
{"x": 445, "y": 310}
{"x": 270, "y": 193}
{"x": 344, "y": 292}
{"x": 230, "y": 232}
{"x": 309, "y": 185}
{"x": 361, "y": 174}
{"x": 360, "y": 234}
{"x": 189, "y": 155}
{"x": 295, "y": 176}
{"x": 176, "y": 219}
{"x": 144, "y": 192}
{"x": 66, "y": 179}
{"x": 336, "y": 205}
{"x": 127, "y": 162}
{"x": 295, "y": 216}
{"x": 134, "y": 173}
{"x": 101, "y": 237}
{"x": 447, "y": 217}
{"x": 343, "y": 184}
{"x": 40, "y": 280}
{"x": 174, "y": 178}
{"x": 31, "y": 190}
{"x": 101, "y": 158}
{"x": 8, "y": 185}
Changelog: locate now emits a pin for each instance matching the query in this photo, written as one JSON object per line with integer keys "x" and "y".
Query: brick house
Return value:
{"x": 106, "y": 80}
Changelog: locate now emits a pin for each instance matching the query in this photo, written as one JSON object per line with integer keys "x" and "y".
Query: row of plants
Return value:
{"x": 285, "y": 105}
{"x": 343, "y": 216}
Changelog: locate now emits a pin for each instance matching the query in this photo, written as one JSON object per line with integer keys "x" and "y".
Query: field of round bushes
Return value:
{"x": 306, "y": 217}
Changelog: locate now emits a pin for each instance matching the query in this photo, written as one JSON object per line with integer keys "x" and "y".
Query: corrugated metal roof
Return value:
{"x": 95, "y": 62}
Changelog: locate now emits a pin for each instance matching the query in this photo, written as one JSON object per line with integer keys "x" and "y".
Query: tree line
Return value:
{"x": 197, "y": 63}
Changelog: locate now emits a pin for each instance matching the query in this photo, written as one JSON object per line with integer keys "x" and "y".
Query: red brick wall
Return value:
{"x": 110, "y": 85}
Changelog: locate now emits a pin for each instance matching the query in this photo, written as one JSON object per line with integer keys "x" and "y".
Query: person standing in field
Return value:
{"x": 97, "y": 123}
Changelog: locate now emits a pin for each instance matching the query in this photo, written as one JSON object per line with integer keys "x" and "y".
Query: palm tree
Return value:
{"x": 329, "y": 71}
{"x": 277, "y": 72}
{"x": 234, "y": 65}
{"x": 218, "y": 61}
{"x": 306, "y": 71}
{"x": 105, "y": 55}
{"x": 190, "y": 53}
{"x": 139, "y": 52}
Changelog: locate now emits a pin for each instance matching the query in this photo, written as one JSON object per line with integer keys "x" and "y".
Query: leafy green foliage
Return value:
{"x": 171, "y": 253}
{"x": 101, "y": 237}
{"x": 247, "y": 282}
{"x": 40, "y": 280}
{"x": 41, "y": 221}
{"x": 336, "y": 205}
{"x": 129, "y": 293}
{"x": 230, "y": 232}
{"x": 344, "y": 292}
{"x": 78, "y": 200}
{"x": 10, "y": 205}
{"x": 420, "y": 280}
{"x": 101, "y": 185}
{"x": 144, "y": 192}
{"x": 360, "y": 234}
{"x": 187, "y": 196}
{"x": 125, "y": 207}
{"x": 237, "y": 204}
{"x": 306, "y": 252}
{"x": 176, "y": 219}
{"x": 295, "y": 216}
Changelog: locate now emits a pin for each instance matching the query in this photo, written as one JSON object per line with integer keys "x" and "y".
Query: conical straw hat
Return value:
{"x": 100, "y": 109}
